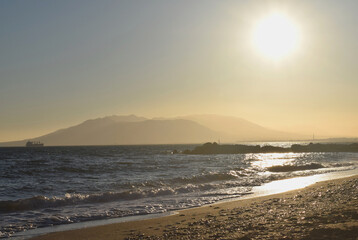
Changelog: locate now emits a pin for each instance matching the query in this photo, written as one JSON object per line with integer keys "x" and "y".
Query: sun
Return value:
{"x": 276, "y": 36}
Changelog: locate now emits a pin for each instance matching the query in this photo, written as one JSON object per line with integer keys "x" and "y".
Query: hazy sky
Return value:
{"x": 62, "y": 62}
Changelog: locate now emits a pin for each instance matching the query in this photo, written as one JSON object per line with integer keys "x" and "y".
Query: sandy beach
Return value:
{"x": 325, "y": 210}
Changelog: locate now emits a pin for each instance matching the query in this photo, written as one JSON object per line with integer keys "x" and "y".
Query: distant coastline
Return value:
{"x": 215, "y": 148}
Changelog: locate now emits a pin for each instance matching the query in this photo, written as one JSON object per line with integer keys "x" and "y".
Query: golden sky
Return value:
{"x": 63, "y": 62}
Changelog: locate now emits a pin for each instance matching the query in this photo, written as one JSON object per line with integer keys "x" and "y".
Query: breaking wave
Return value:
{"x": 177, "y": 185}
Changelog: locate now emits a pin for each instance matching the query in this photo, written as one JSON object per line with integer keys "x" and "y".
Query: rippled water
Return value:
{"x": 56, "y": 185}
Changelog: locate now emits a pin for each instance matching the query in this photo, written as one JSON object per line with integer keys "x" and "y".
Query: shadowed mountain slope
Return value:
{"x": 237, "y": 129}
{"x": 131, "y": 129}
{"x": 122, "y": 131}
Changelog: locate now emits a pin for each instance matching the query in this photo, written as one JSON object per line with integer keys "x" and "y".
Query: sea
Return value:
{"x": 51, "y": 186}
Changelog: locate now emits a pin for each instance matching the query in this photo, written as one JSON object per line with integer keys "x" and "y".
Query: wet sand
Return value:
{"x": 325, "y": 210}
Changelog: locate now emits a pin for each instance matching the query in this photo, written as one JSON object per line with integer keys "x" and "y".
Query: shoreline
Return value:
{"x": 164, "y": 225}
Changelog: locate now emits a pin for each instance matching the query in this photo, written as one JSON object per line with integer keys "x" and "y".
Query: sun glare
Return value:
{"x": 276, "y": 36}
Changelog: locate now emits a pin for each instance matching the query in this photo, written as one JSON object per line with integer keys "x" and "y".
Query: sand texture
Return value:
{"x": 326, "y": 210}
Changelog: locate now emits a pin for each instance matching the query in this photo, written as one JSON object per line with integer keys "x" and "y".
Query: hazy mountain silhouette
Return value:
{"x": 131, "y": 129}
{"x": 122, "y": 130}
{"x": 237, "y": 129}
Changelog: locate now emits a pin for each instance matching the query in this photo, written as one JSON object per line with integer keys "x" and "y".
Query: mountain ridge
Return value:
{"x": 134, "y": 130}
{"x": 239, "y": 129}
{"x": 106, "y": 131}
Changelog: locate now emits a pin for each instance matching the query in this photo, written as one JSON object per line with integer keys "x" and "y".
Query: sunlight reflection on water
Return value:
{"x": 285, "y": 185}
{"x": 266, "y": 160}
{"x": 289, "y": 184}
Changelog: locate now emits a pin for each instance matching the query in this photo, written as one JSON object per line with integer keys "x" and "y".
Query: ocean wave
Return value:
{"x": 292, "y": 168}
{"x": 204, "y": 182}
{"x": 194, "y": 180}
{"x": 41, "y": 202}
{"x": 180, "y": 185}
{"x": 347, "y": 164}
{"x": 205, "y": 178}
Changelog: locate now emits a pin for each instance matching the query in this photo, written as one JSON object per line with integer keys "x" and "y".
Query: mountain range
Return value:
{"x": 131, "y": 129}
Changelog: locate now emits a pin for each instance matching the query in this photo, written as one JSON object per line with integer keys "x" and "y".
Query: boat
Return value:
{"x": 34, "y": 144}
